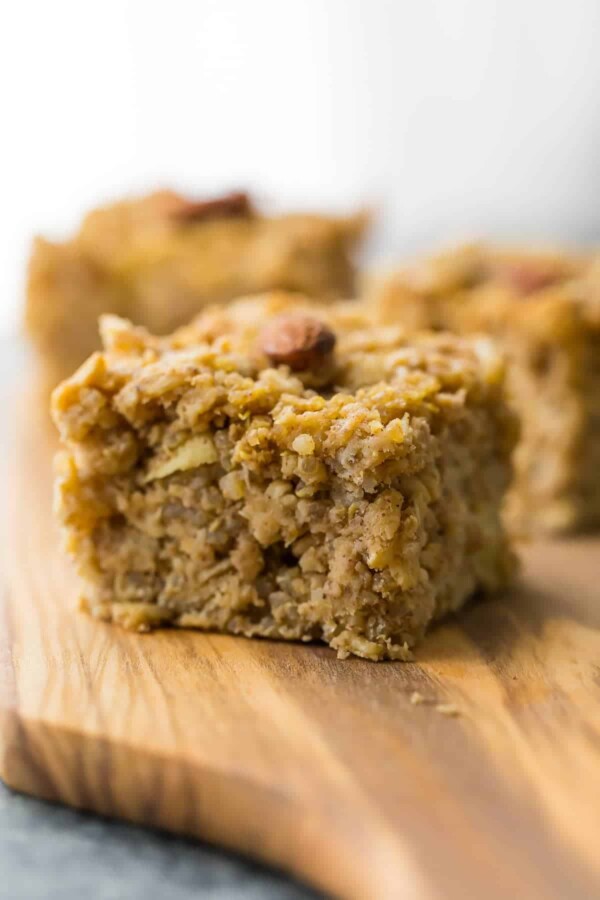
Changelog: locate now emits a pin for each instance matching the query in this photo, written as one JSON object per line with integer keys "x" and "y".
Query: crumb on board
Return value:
{"x": 416, "y": 698}
{"x": 447, "y": 709}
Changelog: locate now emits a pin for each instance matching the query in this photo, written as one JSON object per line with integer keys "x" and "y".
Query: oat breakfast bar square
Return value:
{"x": 159, "y": 259}
{"x": 543, "y": 311}
{"x": 287, "y": 470}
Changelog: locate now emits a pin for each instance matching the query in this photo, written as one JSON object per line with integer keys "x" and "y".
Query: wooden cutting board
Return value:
{"x": 322, "y": 767}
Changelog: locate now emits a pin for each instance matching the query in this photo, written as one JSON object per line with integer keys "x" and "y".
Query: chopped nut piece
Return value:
{"x": 299, "y": 341}
{"x": 236, "y": 204}
{"x": 198, "y": 451}
{"x": 526, "y": 278}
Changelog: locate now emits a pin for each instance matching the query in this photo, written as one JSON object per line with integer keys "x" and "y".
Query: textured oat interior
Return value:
{"x": 199, "y": 486}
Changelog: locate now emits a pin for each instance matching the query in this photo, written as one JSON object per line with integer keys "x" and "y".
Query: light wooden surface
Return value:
{"x": 322, "y": 767}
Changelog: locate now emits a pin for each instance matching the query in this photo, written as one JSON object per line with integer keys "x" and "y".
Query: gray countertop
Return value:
{"x": 49, "y": 852}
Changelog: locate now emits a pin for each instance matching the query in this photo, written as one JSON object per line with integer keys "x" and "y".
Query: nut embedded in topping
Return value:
{"x": 526, "y": 277}
{"x": 298, "y": 341}
{"x": 234, "y": 205}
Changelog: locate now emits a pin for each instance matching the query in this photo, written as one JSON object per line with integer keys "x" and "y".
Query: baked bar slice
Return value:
{"x": 543, "y": 310}
{"x": 267, "y": 472}
{"x": 160, "y": 258}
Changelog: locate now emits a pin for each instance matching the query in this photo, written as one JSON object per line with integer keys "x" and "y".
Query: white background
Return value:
{"x": 454, "y": 117}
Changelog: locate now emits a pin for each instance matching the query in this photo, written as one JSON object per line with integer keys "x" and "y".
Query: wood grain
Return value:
{"x": 321, "y": 767}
